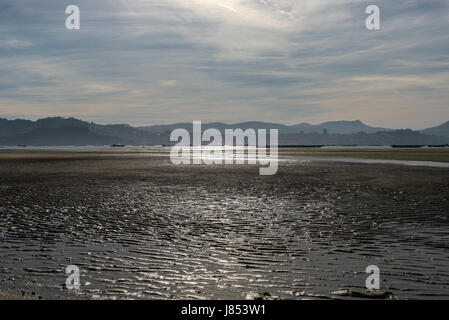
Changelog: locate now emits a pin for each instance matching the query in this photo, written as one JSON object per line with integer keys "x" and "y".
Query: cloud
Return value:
{"x": 163, "y": 61}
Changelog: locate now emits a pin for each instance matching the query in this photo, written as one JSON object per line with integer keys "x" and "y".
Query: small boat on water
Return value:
{"x": 117, "y": 145}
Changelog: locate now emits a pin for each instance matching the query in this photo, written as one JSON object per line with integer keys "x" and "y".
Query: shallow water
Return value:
{"x": 158, "y": 150}
{"x": 188, "y": 233}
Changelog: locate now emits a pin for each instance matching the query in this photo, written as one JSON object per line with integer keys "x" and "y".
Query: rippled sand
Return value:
{"x": 139, "y": 227}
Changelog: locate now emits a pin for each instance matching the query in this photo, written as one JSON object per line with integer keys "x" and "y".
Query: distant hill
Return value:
{"x": 216, "y": 125}
{"x": 118, "y": 133}
{"x": 8, "y": 127}
{"x": 381, "y": 138}
{"x": 441, "y": 130}
{"x": 69, "y": 136}
{"x": 345, "y": 127}
{"x": 70, "y": 131}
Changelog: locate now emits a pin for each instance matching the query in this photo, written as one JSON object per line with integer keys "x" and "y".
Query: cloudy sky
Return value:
{"x": 164, "y": 61}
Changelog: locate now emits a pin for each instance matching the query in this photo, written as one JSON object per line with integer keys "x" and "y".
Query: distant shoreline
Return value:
{"x": 301, "y": 153}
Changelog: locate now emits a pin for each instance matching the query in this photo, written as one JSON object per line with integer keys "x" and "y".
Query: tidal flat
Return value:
{"x": 385, "y": 153}
{"x": 139, "y": 227}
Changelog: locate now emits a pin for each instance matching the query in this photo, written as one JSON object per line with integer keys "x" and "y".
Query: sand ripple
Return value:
{"x": 183, "y": 233}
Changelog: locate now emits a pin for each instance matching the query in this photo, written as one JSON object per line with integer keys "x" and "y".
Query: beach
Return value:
{"x": 139, "y": 227}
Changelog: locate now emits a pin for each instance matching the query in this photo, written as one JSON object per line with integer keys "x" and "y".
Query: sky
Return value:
{"x": 147, "y": 62}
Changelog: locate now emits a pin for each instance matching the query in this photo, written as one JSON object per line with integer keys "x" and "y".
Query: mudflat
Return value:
{"x": 413, "y": 154}
{"x": 140, "y": 227}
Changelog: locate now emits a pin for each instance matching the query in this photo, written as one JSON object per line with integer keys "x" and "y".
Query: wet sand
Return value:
{"x": 386, "y": 153}
{"x": 139, "y": 227}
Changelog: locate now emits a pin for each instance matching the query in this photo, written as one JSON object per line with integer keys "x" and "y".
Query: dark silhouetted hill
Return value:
{"x": 118, "y": 133}
{"x": 9, "y": 127}
{"x": 441, "y": 130}
{"x": 342, "y": 127}
{"x": 396, "y": 137}
{"x": 70, "y": 131}
{"x": 345, "y": 127}
{"x": 68, "y": 136}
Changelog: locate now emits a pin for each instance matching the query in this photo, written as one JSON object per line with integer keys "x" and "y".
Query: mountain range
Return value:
{"x": 341, "y": 127}
{"x": 70, "y": 131}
